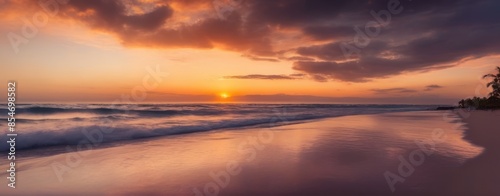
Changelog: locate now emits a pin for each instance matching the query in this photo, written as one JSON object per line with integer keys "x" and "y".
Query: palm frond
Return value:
{"x": 489, "y": 84}
{"x": 489, "y": 75}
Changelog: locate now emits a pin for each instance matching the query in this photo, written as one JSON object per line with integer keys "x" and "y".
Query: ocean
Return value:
{"x": 44, "y": 125}
{"x": 236, "y": 149}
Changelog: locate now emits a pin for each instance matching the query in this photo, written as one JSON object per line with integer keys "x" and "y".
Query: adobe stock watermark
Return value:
{"x": 481, "y": 90}
{"x": 95, "y": 137}
{"x": 371, "y": 29}
{"x": 249, "y": 148}
{"x": 31, "y": 26}
{"x": 416, "y": 158}
{"x": 223, "y": 8}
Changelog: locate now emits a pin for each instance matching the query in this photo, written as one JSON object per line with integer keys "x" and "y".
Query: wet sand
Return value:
{"x": 481, "y": 175}
{"x": 351, "y": 155}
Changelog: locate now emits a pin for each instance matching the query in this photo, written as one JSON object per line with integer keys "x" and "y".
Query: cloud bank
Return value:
{"x": 346, "y": 40}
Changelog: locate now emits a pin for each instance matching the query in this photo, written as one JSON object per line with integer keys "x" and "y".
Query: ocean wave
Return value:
{"x": 43, "y": 110}
{"x": 127, "y": 122}
{"x": 177, "y": 109}
{"x": 109, "y": 133}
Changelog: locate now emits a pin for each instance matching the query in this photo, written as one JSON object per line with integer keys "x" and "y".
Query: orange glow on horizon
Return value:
{"x": 224, "y": 95}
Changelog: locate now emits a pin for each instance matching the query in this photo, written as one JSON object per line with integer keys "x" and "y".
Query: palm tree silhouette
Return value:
{"x": 492, "y": 102}
{"x": 495, "y": 83}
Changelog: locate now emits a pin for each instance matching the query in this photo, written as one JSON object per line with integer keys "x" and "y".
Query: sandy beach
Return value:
{"x": 406, "y": 153}
{"x": 479, "y": 176}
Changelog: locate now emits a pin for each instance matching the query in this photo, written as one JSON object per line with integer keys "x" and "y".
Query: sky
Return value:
{"x": 352, "y": 51}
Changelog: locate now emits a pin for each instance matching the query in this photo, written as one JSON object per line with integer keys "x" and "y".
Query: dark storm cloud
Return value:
{"x": 393, "y": 90}
{"x": 432, "y": 87}
{"x": 426, "y": 35}
{"x": 442, "y": 36}
{"x": 226, "y": 32}
{"x": 322, "y": 32}
{"x": 151, "y": 28}
{"x": 113, "y": 15}
{"x": 332, "y": 51}
{"x": 362, "y": 70}
{"x": 404, "y": 90}
{"x": 329, "y": 51}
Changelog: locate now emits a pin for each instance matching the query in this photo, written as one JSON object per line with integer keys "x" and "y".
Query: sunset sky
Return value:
{"x": 96, "y": 51}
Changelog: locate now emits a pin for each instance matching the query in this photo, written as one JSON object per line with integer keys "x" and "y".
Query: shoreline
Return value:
{"x": 480, "y": 175}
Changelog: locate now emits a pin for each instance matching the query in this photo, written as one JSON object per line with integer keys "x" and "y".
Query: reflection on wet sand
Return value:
{"x": 345, "y": 155}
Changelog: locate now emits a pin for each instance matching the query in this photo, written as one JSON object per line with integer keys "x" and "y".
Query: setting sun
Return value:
{"x": 224, "y": 95}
